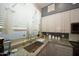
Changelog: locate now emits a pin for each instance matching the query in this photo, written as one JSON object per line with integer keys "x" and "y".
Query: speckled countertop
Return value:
{"x": 22, "y": 52}
{"x": 62, "y": 42}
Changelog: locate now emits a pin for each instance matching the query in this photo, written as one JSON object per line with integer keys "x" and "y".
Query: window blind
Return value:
{"x": 1, "y": 22}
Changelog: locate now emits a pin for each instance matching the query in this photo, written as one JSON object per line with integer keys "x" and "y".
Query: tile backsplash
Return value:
{"x": 74, "y": 37}
{"x": 61, "y": 35}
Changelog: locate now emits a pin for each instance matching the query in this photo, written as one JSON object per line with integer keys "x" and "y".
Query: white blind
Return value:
{"x": 1, "y": 21}
{"x": 2, "y": 15}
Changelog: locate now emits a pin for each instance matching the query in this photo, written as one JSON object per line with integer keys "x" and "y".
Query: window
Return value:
{"x": 1, "y": 22}
{"x": 2, "y": 16}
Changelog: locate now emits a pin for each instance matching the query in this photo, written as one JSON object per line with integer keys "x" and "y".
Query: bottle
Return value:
{"x": 58, "y": 37}
{"x": 49, "y": 37}
{"x": 53, "y": 37}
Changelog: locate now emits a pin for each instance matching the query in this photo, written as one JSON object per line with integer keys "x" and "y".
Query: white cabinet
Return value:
{"x": 61, "y": 22}
{"x": 43, "y": 24}
{"x": 48, "y": 23}
{"x": 66, "y": 22}
{"x": 74, "y": 15}
{"x": 51, "y": 23}
{"x": 58, "y": 22}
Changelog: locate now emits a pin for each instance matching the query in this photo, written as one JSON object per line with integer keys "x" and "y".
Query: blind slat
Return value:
{"x": 1, "y": 21}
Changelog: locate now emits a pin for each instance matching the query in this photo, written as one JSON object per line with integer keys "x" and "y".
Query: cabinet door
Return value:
{"x": 44, "y": 24}
{"x": 66, "y": 22}
{"x": 58, "y": 22}
{"x": 48, "y": 23}
{"x": 62, "y": 23}
{"x": 74, "y": 15}
{"x": 63, "y": 50}
{"x": 52, "y": 23}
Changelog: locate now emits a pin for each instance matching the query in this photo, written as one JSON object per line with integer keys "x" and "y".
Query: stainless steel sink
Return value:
{"x": 33, "y": 47}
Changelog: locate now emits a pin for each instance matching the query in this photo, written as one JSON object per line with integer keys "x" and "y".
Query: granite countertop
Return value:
{"x": 62, "y": 42}
{"x": 22, "y": 52}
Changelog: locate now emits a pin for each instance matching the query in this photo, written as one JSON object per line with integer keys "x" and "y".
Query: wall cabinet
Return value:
{"x": 44, "y": 24}
{"x": 74, "y": 15}
{"x": 61, "y": 22}
{"x": 48, "y": 23}
{"x": 66, "y": 22}
{"x": 51, "y": 23}
{"x": 58, "y": 20}
{"x": 54, "y": 23}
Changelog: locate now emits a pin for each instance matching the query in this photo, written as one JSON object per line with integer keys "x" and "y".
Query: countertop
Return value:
{"x": 62, "y": 42}
{"x": 22, "y": 52}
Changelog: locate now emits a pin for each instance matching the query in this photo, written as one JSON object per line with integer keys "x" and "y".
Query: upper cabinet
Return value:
{"x": 51, "y": 23}
{"x": 43, "y": 24}
{"x": 66, "y": 22}
{"x": 61, "y": 22}
{"x": 74, "y": 15}
{"x": 58, "y": 23}
{"x": 48, "y": 23}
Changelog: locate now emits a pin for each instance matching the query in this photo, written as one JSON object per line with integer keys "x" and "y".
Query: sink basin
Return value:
{"x": 33, "y": 47}
{"x": 74, "y": 43}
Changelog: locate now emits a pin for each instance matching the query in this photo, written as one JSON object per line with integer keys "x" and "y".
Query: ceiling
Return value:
{"x": 41, "y": 5}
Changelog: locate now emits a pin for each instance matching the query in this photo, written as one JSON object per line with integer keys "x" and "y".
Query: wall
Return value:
{"x": 59, "y": 7}
{"x": 23, "y": 16}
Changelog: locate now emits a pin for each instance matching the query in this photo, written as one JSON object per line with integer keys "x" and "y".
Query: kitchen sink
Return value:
{"x": 33, "y": 47}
